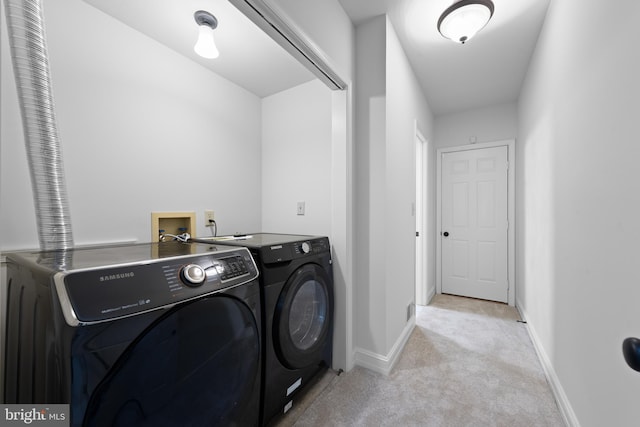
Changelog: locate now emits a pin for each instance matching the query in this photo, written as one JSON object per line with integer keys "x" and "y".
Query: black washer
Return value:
{"x": 119, "y": 335}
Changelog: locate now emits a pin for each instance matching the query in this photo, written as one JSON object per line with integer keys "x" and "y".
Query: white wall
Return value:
{"x": 579, "y": 204}
{"x": 389, "y": 102}
{"x": 406, "y": 108}
{"x": 296, "y": 152}
{"x": 142, "y": 128}
{"x": 487, "y": 124}
{"x": 370, "y": 178}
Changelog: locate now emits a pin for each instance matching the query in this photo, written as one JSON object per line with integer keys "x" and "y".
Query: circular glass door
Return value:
{"x": 197, "y": 365}
{"x": 303, "y": 317}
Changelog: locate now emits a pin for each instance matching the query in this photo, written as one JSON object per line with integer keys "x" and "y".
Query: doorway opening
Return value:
{"x": 422, "y": 237}
{"x": 469, "y": 206}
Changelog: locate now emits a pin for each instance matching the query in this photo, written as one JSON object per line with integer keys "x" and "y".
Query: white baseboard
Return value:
{"x": 380, "y": 363}
{"x": 566, "y": 410}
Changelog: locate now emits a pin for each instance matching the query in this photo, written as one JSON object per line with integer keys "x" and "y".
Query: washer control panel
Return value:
{"x": 101, "y": 294}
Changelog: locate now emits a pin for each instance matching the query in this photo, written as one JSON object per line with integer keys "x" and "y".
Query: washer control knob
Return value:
{"x": 305, "y": 247}
{"x": 192, "y": 275}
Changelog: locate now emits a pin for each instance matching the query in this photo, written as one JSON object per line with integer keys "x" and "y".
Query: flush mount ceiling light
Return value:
{"x": 464, "y": 18}
{"x": 206, "y": 46}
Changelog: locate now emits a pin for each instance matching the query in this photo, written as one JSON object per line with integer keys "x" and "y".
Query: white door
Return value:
{"x": 474, "y": 223}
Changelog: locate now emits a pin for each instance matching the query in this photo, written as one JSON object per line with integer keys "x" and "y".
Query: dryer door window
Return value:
{"x": 197, "y": 365}
{"x": 307, "y": 314}
{"x": 303, "y": 317}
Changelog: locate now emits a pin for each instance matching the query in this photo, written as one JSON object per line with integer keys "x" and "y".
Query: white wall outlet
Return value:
{"x": 208, "y": 218}
{"x": 300, "y": 208}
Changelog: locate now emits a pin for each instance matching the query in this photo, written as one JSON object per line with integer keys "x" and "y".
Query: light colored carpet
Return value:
{"x": 467, "y": 363}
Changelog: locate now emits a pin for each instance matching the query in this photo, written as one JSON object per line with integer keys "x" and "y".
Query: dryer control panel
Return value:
{"x": 293, "y": 250}
{"x": 101, "y": 294}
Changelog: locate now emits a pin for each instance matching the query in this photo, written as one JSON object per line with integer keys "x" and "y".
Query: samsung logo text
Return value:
{"x": 119, "y": 276}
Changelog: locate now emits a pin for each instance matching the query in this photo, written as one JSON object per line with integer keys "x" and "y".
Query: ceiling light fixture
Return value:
{"x": 206, "y": 45}
{"x": 464, "y": 18}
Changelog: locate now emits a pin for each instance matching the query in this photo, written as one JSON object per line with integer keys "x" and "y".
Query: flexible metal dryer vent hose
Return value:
{"x": 25, "y": 22}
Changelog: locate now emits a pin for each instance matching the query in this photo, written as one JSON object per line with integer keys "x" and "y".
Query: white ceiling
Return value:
{"x": 248, "y": 57}
{"x": 487, "y": 70}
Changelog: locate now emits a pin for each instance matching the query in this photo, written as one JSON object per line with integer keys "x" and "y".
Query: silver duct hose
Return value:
{"x": 25, "y": 22}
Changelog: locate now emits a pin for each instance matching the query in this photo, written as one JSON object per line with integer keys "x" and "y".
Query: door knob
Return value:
{"x": 445, "y": 234}
{"x": 631, "y": 351}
